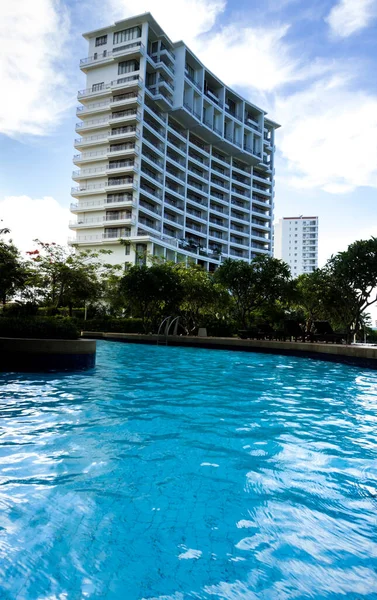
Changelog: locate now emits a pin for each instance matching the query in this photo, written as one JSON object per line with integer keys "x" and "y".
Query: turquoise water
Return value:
{"x": 178, "y": 473}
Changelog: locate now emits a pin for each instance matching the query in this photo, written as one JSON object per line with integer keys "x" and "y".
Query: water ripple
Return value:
{"x": 178, "y": 473}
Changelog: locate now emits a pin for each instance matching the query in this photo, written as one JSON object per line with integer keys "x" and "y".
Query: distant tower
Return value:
{"x": 296, "y": 242}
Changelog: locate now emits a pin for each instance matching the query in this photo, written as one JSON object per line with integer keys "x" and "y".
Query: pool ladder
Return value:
{"x": 168, "y": 322}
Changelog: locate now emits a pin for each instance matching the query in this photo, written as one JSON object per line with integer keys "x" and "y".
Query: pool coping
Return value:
{"x": 43, "y": 355}
{"x": 365, "y": 357}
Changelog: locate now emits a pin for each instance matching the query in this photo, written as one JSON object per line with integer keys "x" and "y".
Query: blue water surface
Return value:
{"x": 180, "y": 473}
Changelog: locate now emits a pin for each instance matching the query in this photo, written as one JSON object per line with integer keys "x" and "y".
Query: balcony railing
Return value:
{"x": 91, "y": 138}
{"x": 103, "y": 186}
{"x": 150, "y": 190}
{"x": 251, "y": 123}
{"x": 212, "y": 96}
{"x": 261, "y": 187}
{"x": 124, "y": 113}
{"x": 88, "y": 155}
{"x": 175, "y": 173}
{"x": 92, "y": 122}
{"x": 98, "y": 88}
{"x": 100, "y": 56}
{"x": 196, "y": 83}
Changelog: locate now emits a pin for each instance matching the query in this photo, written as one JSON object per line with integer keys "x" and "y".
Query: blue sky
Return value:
{"x": 311, "y": 65}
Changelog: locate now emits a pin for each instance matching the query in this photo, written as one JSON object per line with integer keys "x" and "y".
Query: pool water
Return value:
{"x": 179, "y": 473}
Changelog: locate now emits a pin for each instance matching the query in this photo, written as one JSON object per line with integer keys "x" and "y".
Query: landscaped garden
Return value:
{"x": 69, "y": 290}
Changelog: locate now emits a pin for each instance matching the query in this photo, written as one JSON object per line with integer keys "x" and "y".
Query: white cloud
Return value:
{"x": 34, "y": 90}
{"x": 32, "y": 218}
{"x": 181, "y": 19}
{"x": 328, "y": 138}
{"x": 257, "y": 58}
{"x": 350, "y": 16}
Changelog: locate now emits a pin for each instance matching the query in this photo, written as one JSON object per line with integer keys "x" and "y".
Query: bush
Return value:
{"x": 219, "y": 327}
{"x": 49, "y": 311}
{"x": 52, "y": 311}
{"x": 39, "y": 327}
{"x": 28, "y": 309}
{"x": 113, "y": 325}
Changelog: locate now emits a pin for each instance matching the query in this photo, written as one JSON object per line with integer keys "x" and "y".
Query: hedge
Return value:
{"x": 113, "y": 325}
{"x": 39, "y": 327}
{"x": 52, "y": 311}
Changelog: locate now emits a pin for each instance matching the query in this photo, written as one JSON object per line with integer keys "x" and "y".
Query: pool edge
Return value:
{"x": 345, "y": 354}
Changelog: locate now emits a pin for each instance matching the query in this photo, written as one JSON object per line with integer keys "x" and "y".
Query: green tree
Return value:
{"x": 254, "y": 286}
{"x": 313, "y": 295}
{"x": 13, "y": 273}
{"x": 151, "y": 292}
{"x": 67, "y": 278}
{"x": 201, "y": 295}
{"x": 354, "y": 275}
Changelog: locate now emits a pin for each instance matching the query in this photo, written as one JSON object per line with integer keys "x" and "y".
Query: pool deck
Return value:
{"x": 361, "y": 356}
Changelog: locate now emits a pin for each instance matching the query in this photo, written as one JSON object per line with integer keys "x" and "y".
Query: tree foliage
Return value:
{"x": 151, "y": 292}
{"x": 61, "y": 277}
{"x": 254, "y": 286}
{"x": 354, "y": 273}
{"x": 13, "y": 273}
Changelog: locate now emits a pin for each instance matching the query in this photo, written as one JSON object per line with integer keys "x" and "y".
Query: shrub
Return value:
{"x": 219, "y": 327}
{"x": 113, "y": 325}
{"x": 53, "y": 311}
{"x": 39, "y": 327}
{"x": 49, "y": 311}
{"x": 16, "y": 309}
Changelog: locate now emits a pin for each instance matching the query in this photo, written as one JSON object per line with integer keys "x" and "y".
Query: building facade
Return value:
{"x": 296, "y": 242}
{"x": 172, "y": 162}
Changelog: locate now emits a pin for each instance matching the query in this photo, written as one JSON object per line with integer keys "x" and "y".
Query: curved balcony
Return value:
{"x": 109, "y": 169}
{"x": 99, "y": 238}
{"x": 107, "y": 56}
{"x": 99, "y": 188}
{"x": 97, "y": 155}
{"x": 127, "y": 99}
{"x": 106, "y": 203}
{"x": 125, "y": 116}
{"x": 105, "y": 89}
{"x": 89, "y": 222}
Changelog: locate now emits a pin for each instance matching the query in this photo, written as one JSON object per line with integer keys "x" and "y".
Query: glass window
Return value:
{"x": 128, "y": 66}
{"x": 127, "y": 34}
{"x": 96, "y": 87}
{"x": 190, "y": 71}
{"x": 101, "y": 40}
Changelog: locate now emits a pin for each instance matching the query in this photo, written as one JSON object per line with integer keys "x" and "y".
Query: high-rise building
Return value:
{"x": 172, "y": 161}
{"x": 296, "y": 242}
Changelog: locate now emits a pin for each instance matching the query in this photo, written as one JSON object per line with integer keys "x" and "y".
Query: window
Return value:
{"x": 190, "y": 71}
{"x": 101, "y": 40}
{"x": 127, "y": 34}
{"x": 127, "y": 249}
{"x": 128, "y": 66}
{"x": 96, "y": 87}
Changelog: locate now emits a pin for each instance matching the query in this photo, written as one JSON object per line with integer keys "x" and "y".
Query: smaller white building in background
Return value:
{"x": 296, "y": 243}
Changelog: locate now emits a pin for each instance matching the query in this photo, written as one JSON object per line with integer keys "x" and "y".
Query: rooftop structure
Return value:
{"x": 171, "y": 159}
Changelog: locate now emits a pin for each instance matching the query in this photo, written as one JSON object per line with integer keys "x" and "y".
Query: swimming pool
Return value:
{"x": 180, "y": 473}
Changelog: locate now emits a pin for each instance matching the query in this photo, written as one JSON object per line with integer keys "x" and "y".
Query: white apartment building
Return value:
{"x": 296, "y": 242}
{"x": 172, "y": 162}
